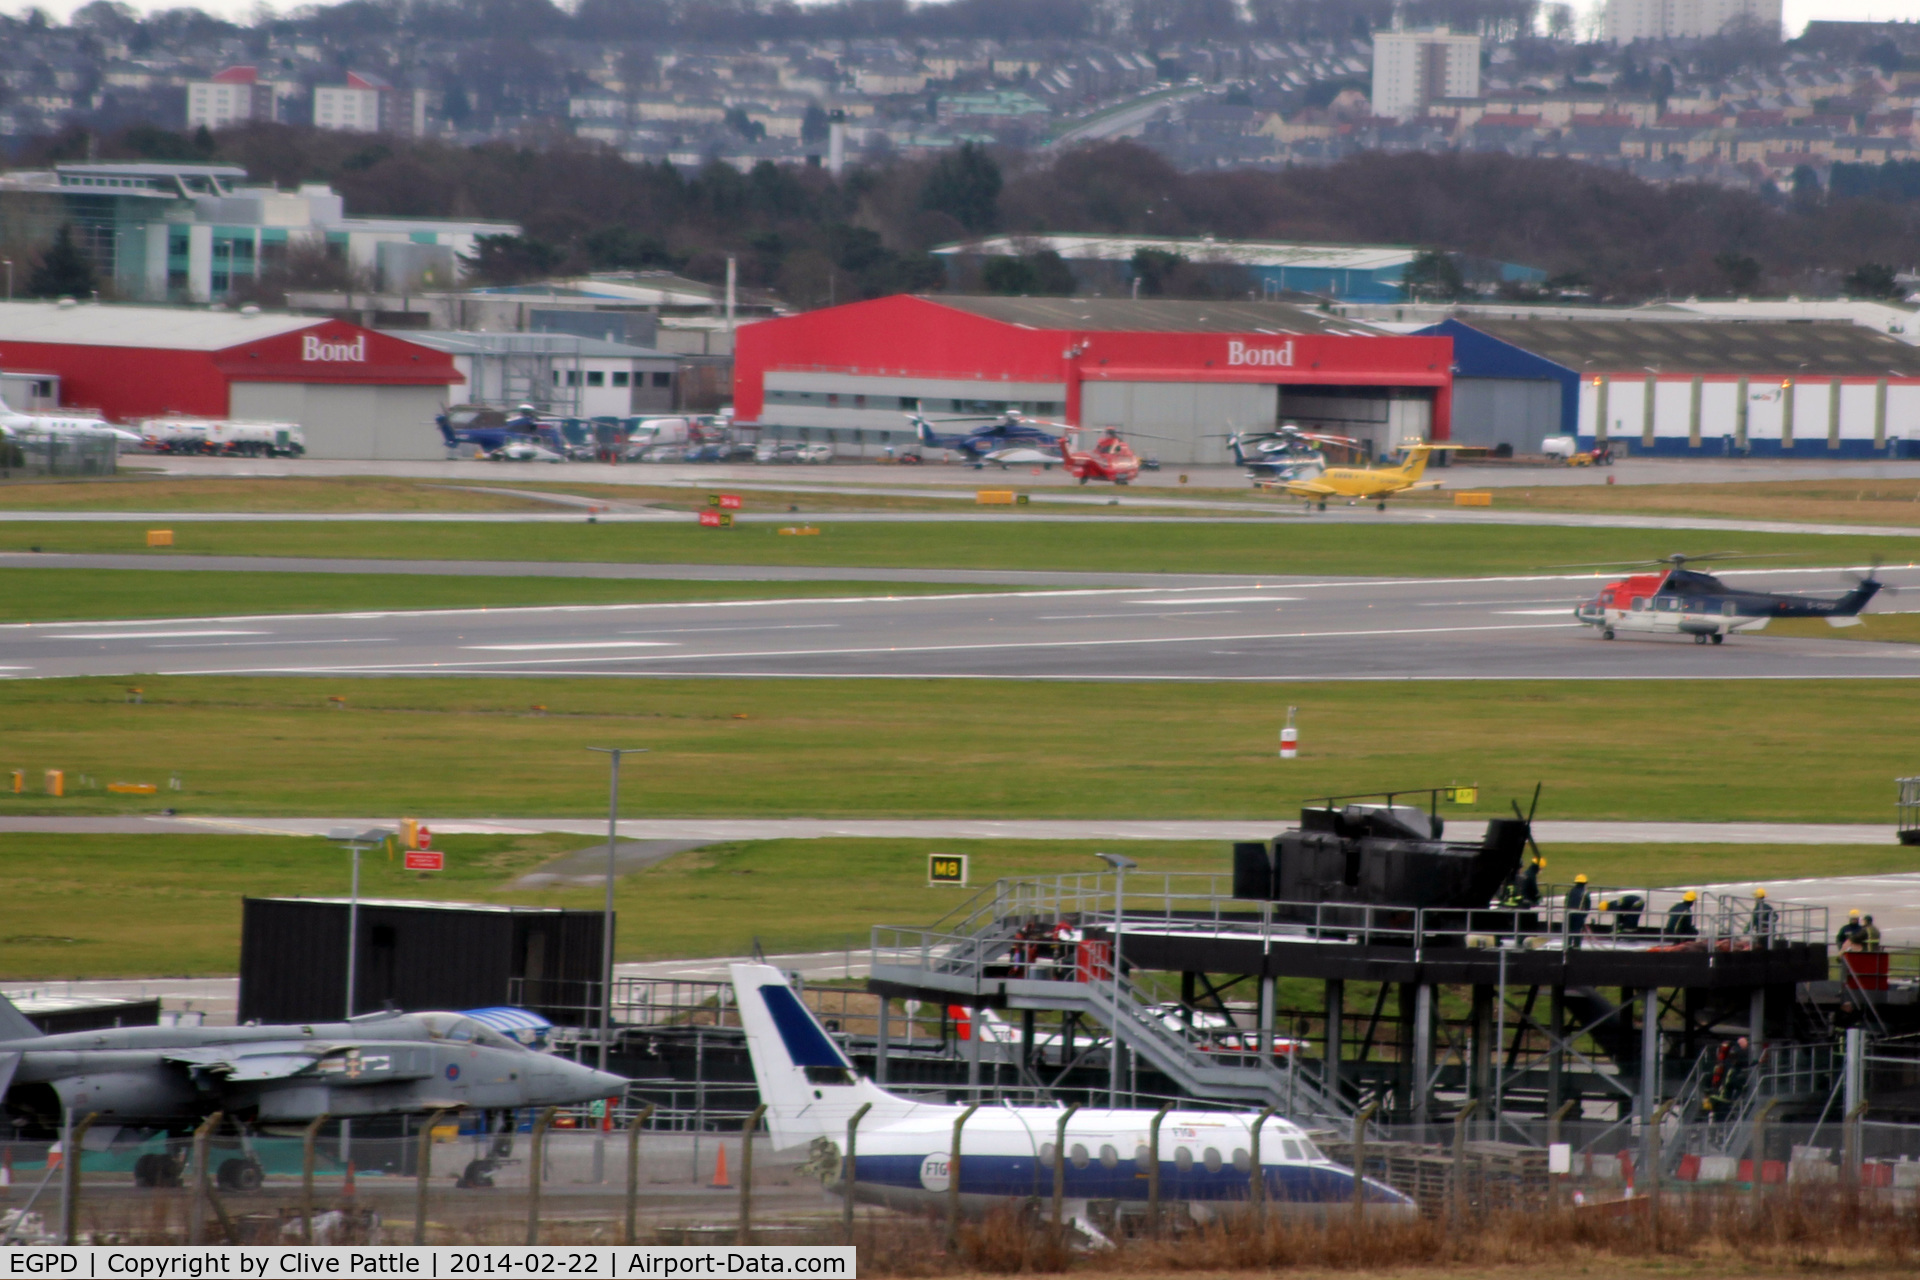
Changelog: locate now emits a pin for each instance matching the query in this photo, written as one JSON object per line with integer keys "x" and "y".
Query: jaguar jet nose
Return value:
{"x": 559, "y": 1083}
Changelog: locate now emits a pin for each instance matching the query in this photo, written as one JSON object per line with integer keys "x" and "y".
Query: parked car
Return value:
{"x": 815, "y": 453}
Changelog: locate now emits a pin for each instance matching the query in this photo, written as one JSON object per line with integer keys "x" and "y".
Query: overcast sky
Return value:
{"x": 1797, "y": 11}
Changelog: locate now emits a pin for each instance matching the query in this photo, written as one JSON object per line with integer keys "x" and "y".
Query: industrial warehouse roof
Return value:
{"x": 1152, "y": 315}
{"x": 164, "y": 328}
{"x": 462, "y": 343}
{"x": 1245, "y": 253}
{"x": 1796, "y": 350}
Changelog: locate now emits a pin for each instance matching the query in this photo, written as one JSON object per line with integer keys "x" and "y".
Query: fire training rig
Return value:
{"x": 1445, "y": 975}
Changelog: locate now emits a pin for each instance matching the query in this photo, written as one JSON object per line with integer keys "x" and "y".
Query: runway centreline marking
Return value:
{"x": 568, "y": 644}
{"x": 152, "y": 635}
{"x": 932, "y": 648}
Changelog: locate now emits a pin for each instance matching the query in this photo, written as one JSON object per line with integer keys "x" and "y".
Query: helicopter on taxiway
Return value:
{"x": 1682, "y": 601}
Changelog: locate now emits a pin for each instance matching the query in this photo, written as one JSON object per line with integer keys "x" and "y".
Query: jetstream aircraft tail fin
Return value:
{"x": 14, "y": 1025}
{"x": 809, "y": 1086}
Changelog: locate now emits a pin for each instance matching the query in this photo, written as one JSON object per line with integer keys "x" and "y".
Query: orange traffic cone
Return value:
{"x": 346, "y": 1188}
{"x": 720, "y": 1178}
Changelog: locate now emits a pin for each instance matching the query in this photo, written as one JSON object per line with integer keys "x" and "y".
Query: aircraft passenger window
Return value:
{"x": 1639, "y": 604}
{"x": 1183, "y": 1158}
{"x": 1143, "y": 1158}
{"x": 1242, "y": 1161}
{"x": 1726, "y": 608}
{"x": 1046, "y": 1155}
{"x": 1290, "y": 1149}
{"x": 1109, "y": 1158}
{"x": 1211, "y": 1158}
{"x": 1078, "y": 1154}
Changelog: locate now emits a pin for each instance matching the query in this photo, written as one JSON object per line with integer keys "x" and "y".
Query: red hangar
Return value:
{"x": 1177, "y": 376}
{"x": 356, "y": 393}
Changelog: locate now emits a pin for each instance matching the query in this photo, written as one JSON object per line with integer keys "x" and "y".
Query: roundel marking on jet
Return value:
{"x": 453, "y": 1071}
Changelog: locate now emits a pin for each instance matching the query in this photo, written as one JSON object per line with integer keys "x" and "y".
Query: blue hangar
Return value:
{"x": 1684, "y": 387}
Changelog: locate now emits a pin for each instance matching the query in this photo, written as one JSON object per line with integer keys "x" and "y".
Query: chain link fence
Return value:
{"x": 42, "y": 453}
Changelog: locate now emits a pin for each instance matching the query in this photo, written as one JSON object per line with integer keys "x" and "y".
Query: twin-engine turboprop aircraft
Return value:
{"x": 1007, "y": 1152}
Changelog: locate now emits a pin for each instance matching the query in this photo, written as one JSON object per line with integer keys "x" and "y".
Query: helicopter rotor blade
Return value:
{"x": 1528, "y": 820}
{"x": 1675, "y": 561}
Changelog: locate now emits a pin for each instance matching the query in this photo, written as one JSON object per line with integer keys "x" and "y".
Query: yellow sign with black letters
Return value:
{"x": 947, "y": 868}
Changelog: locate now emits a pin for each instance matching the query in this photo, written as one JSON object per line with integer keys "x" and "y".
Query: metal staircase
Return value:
{"x": 976, "y": 953}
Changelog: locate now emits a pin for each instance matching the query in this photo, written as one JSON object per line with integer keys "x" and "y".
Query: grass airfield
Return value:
{"x": 115, "y": 905}
{"x": 1773, "y": 751}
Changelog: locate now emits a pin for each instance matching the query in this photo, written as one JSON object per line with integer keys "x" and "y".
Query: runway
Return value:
{"x": 1281, "y": 629}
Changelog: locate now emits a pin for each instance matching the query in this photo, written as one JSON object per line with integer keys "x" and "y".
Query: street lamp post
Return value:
{"x": 9, "y": 265}
{"x": 613, "y": 755}
{"x": 1119, "y": 865}
{"x": 356, "y": 842}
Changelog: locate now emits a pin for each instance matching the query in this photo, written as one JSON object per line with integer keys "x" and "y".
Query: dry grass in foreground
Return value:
{"x": 1705, "y": 1234}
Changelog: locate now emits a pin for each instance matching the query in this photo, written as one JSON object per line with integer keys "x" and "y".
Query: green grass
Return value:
{"x": 104, "y": 906}
{"x": 44, "y": 595}
{"x": 1810, "y": 750}
{"x": 135, "y": 491}
{"x": 1303, "y": 548}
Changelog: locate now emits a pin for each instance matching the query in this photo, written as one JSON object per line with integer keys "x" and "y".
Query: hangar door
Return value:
{"x": 1189, "y": 419}
{"x": 1520, "y": 412}
{"x": 356, "y": 422}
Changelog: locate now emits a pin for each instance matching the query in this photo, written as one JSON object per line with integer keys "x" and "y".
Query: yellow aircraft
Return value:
{"x": 1365, "y": 484}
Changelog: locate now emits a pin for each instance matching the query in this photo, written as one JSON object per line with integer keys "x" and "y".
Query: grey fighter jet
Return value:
{"x": 169, "y": 1079}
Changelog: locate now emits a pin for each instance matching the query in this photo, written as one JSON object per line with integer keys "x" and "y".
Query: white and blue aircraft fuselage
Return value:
{"x": 65, "y": 425}
{"x": 1007, "y": 1152}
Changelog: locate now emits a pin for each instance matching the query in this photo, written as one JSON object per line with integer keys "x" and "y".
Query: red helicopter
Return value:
{"x": 1111, "y": 459}
{"x": 1682, "y": 601}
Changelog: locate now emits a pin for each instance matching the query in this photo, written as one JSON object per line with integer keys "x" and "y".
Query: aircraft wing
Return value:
{"x": 260, "y": 1060}
{"x": 1424, "y": 484}
{"x": 1311, "y": 489}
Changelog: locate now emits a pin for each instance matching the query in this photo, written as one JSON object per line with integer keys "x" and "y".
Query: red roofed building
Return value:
{"x": 368, "y": 104}
{"x": 234, "y": 96}
{"x": 357, "y": 393}
{"x": 1178, "y": 374}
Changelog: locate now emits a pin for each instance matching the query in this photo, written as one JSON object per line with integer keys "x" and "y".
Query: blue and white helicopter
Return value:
{"x": 1007, "y": 1152}
{"x": 998, "y": 438}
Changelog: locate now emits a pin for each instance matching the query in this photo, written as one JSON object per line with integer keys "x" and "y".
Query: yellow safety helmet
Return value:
{"x": 1580, "y": 879}
{"x": 1691, "y": 896}
{"x": 1854, "y": 912}
{"x": 1759, "y": 893}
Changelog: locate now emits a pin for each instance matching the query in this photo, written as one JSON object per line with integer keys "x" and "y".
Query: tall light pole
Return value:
{"x": 1119, "y": 865}
{"x": 613, "y": 755}
{"x": 355, "y": 841}
{"x": 9, "y": 262}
